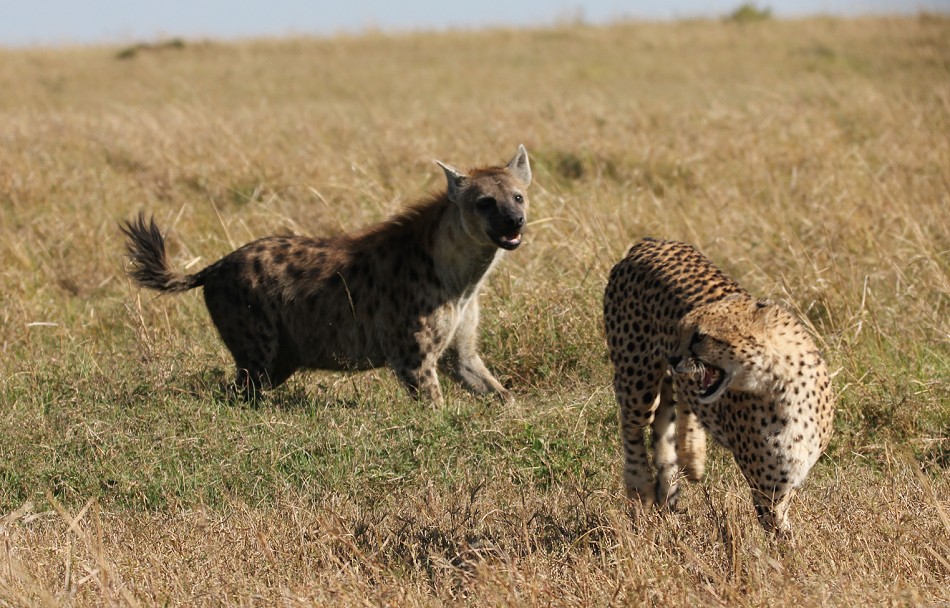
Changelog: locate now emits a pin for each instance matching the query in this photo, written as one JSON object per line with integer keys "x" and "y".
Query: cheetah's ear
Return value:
{"x": 762, "y": 310}
{"x": 456, "y": 181}
{"x": 520, "y": 167}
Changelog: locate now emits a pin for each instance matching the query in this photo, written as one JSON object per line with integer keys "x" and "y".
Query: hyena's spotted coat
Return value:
{"x": 403, "y": 293}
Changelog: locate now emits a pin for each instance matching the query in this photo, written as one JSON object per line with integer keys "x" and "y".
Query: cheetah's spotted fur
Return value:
{"x": 745, "y": 370}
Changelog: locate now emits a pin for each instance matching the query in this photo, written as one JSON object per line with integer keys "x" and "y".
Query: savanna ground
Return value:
{"x": 809, "y": 159}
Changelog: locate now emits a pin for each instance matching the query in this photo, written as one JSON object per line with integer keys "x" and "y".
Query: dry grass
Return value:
{"x": 809, "y": 159}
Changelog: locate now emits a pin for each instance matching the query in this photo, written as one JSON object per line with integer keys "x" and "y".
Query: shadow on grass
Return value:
{"x": 218, "y": 385}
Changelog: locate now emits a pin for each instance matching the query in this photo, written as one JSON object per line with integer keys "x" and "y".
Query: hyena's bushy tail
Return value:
{"x": 149, "y": 262}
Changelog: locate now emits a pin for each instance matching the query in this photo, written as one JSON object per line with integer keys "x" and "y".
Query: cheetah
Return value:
{"x": 694, "y": 352}
{"x": 402, "y": 293}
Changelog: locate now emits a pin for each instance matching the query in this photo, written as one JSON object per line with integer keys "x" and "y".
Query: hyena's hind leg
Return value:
{"x": 257, "y": 372}
{"x": 249, "y": 328}
{"x": 463, "y": 363}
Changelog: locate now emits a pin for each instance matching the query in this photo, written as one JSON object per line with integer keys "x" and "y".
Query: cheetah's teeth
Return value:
{"x": 710, "y": 375}
{"x": 712, "y": 383}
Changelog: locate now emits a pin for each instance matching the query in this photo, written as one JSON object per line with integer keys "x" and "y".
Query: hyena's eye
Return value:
{"x": 519, "y": 198}
{"x": 485, "y": 203}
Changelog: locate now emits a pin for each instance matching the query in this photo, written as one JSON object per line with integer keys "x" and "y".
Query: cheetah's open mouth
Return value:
{"x": 507, "y": 241}
{"x": 712, "y": 383}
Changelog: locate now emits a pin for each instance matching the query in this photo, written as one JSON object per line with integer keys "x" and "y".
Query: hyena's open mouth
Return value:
{"x": 508, "y": 241}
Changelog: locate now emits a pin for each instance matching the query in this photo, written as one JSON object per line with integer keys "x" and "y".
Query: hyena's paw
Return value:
{"x": 422, "y": 385}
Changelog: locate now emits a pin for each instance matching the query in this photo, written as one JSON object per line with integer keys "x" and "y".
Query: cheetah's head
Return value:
{"x": 722, "y": 344}
{"x": 492, "y": 200}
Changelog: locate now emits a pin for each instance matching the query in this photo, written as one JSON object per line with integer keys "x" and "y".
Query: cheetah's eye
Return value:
{"x": 697, "y": 338}
{"x": 485, "y": 203}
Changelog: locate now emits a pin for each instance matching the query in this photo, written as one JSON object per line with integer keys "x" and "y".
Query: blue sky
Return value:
{"x": 58, "y": 22}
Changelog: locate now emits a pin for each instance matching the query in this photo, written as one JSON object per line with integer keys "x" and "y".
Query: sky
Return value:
{"x": 64, "y": 22}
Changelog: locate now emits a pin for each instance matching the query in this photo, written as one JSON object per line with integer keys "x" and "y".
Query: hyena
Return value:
{"x": 402, "y": 293}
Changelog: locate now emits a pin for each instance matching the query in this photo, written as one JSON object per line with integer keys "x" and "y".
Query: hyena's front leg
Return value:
{"x": 422, "y": 384}
{"x": 416, "y": 368}
{"x": 463, "y": 363}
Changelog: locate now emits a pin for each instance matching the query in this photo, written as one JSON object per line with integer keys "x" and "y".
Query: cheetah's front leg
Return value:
{"x": 637, "y": 405}
{"x": 771, "y": 508}
{"x": 690, "y": 442}
{"x": 664, "y": 447}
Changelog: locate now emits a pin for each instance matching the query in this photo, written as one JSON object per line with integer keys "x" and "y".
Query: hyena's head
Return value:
{"x": 493, "y": 200}
{"x": 724, "y": 344}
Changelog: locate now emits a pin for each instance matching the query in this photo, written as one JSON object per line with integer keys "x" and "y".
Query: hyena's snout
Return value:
{"x": 506, "y": 225}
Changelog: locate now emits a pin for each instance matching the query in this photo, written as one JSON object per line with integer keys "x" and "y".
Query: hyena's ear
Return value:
{"x": 456, "y": 181}
{"x": 520, "y": 167}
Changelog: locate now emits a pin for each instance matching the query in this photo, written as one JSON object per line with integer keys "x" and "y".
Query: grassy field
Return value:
{"x": 809, "y": 159}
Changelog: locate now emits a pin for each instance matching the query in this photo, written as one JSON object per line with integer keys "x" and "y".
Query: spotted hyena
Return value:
{"x": 402, "y": 293}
